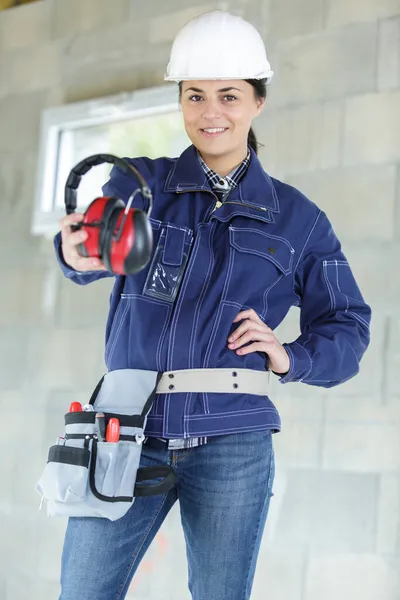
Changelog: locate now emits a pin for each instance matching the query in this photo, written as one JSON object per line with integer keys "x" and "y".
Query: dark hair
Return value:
{"x": 260, "y": 93}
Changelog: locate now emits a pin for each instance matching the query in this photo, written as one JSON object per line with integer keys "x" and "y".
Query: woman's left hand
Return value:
{"x": 253, "y": 329}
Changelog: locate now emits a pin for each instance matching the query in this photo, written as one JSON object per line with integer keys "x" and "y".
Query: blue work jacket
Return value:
{"x": 267, "y": 248}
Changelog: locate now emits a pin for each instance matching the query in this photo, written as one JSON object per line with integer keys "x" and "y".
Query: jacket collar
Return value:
{"x": 255, "y": 188}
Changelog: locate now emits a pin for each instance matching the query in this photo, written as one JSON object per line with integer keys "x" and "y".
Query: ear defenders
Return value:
{"x": 118, "y": 235}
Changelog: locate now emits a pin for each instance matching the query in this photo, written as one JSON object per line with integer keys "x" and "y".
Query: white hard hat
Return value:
{"x": 218, "y": 45}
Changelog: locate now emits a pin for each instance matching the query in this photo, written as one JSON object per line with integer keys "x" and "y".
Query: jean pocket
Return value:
{"x": 168, "y": 265}
{"x": 65, "y": 476}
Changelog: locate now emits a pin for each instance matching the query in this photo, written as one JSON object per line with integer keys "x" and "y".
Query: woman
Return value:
{"x": 234, "y": 249}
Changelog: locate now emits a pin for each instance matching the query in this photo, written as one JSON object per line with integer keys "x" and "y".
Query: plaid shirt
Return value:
{"x": 221, "y": 186}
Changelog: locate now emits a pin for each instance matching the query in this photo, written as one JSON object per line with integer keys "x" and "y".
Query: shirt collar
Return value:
{"x": 257, "y": 188}
{"x": 230, "y": 181}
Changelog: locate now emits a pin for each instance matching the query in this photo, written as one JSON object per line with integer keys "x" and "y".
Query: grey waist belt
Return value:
{"x": 222, "y": 381}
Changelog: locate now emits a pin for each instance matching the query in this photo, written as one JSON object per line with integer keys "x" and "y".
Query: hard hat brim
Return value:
{"x": 171, "y": 77}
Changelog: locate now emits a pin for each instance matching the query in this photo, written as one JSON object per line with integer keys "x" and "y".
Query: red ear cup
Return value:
{"x": 125, "y": 251}
{"x": 111, "y": 206}
{"x": 140, "y": 252}
{"x": 93, "y": 215}
{"x": 128, "y": 250}
{"x": 119, "y": 242}
{"x": 95, "y": 223}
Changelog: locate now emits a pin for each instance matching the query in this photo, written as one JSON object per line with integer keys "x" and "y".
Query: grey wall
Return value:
{"x": 332, "y": 128}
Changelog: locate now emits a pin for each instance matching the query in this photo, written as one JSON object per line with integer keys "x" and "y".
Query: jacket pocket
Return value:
{"x": 168, "y": 265}
{"x": 257, "y": 262}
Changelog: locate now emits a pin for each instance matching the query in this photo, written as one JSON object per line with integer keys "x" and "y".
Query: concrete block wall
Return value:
{"x": 331, "y": 128}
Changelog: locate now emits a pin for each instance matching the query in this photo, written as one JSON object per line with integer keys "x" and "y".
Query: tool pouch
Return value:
{"x": 87, "y": 476}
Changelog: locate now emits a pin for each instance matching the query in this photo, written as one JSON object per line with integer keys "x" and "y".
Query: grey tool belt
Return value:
{"x": 220, "y": 381}
{"x": 88, "y": 476}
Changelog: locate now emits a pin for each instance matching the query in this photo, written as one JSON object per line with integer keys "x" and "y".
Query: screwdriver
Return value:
{"x": 113, "y": 429}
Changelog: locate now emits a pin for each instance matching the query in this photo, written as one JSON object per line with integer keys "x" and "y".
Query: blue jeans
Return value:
{"x": 224, "y": 490}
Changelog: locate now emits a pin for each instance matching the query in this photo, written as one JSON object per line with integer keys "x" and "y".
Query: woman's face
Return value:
{"x": 218, "y": 114}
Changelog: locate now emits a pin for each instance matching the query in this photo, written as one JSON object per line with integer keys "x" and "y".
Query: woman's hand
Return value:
{"x": 69, "y": 245}
{"x": 264, "y": 340}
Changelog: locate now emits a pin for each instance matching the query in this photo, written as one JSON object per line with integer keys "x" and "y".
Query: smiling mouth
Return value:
{"x": 213, "y": 131}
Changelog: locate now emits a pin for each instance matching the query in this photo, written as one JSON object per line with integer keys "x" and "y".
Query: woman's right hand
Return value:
{"x": 69, "y": 245}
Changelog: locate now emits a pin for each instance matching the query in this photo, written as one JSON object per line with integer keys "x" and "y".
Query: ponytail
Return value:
{"x": 260, "y": 93}
{"x": 252, "y": 140}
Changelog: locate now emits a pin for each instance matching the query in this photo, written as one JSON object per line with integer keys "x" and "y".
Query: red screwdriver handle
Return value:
{"x": 75, "y": 407}
{"x": 113, "y": 429}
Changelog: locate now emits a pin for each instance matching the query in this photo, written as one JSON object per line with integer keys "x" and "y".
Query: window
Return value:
{"x": 142, "y": 123}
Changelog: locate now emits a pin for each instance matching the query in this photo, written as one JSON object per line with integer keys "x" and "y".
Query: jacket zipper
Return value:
{"x": 218, "y": 202}
{"x": 261, "y": 208}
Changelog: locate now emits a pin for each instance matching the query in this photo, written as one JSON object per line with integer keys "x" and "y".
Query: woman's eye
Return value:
{"x": 230, "y": 98}
{"x": 195, "y": 98}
